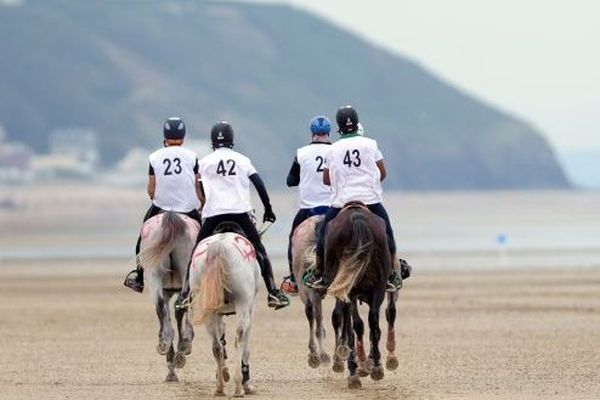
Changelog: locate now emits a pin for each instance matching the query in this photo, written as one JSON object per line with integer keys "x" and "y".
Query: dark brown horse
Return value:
{"x": 357, "y": 263}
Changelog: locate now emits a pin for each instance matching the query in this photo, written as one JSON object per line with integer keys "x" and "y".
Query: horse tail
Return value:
{"x": 355, "y": 258}
{"x": 210, "y": 291}
{"x": 171, "y": 228}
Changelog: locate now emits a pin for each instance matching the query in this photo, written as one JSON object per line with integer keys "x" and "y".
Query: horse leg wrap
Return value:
{"x": 391, "y": 340}
{"x": 360, "y": 350}
{"x": 245, "y": 372}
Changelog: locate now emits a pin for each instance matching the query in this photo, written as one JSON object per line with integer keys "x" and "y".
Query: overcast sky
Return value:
{"x": 538, "y": 59}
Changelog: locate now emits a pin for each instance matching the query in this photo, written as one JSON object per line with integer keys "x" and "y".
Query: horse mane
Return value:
{"x": 171, "y": 228}
{"x": 213, "y": 283}
{"x": 355, "y": 258}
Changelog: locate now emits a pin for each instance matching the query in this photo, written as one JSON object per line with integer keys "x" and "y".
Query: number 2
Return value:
{"x": 321, "y": 160}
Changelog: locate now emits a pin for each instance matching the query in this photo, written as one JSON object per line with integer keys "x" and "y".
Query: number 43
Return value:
{"x": 352, "y": 162}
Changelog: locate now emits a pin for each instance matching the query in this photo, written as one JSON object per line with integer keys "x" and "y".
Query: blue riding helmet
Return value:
{"x": 320, "y": 125}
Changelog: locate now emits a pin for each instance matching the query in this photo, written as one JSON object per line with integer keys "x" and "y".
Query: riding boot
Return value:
{"x": 135, "y": 279}
{"x": 276, "y": 298}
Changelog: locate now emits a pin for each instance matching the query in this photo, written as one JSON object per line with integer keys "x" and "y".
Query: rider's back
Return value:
{"x": 175, "y": 168}
{"x": 225, "y": 177}
{"x": 312, "y": 191}
{"x": 353, "y": 171}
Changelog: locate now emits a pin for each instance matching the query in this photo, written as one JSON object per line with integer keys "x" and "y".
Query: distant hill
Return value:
{"x": 122, "y": 67}
{"x": 583, "y": 167}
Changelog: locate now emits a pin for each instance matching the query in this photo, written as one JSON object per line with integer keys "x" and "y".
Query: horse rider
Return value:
{"x": 307, "y": 173}
{"x": 173, "y": 185}
{"x": 354, "y": 169}
{"x": 226, "y": 176}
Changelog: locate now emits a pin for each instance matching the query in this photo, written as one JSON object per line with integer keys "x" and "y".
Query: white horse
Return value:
{"x": 167, "y": 243}
{"x": 303, "y": 245}
{"x": 224, "y": 279}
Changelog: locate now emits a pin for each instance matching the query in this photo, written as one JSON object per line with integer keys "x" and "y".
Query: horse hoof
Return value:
{"x": 391, "y": 363}
{"x": 220, "y": 393}
{"x": 343, "y": 352}
{"x": 354, "y": 382}
{"x": 325, "y": 359}
{"x": 377, "y": 373}
{"x": 162, "y": 348}
{"x": 179, "y": 360}
{"x": 313, "y": 360}
{"x": 225, "y": 374}
{"x": 248, "y": 388}
{"x": 362, "y": 372}
{"x": 338, "y": 366}
{"x": 239, "y": 392}
{"x": 171, "y": 377}
{"x": 185, "y": 347}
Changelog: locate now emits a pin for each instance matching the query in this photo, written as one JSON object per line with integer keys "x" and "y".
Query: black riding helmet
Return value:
{"x": 221, "y": 135}
{"x": 347, "y": 119}
{"x": 174, "y": 128}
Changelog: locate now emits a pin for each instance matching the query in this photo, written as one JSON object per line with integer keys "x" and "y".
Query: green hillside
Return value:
{"x": 121, "y": 67}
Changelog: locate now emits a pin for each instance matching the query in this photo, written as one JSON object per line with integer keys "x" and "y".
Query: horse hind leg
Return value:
{"x": 320, "y": 330}
{"x": 171, "y": 365}
{"x": 313, "y": 356}
{"x": 375, "y": 335}
{"x": 185, "y": 335}
{"x": 390, "y": 315}
{"x": 353, "y": 378}
{"x": 336, "y": 321}
{"x": 165, "y": 333}
{"x": 242, "y": 373}
{"x": 364, "y": 366}
{"x": 214, "y": 327}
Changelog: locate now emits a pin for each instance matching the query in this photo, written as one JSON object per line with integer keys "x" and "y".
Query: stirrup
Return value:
{"x": 182, "y": 303}
{"x": 394, "y": 283}
{"x": 312, "y": 281}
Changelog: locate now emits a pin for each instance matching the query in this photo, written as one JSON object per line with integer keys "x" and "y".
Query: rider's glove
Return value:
{"x": 269, "y": 215}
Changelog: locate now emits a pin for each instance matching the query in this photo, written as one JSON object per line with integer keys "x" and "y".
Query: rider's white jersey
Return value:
{"x": 353, "y": 171}
{"x": 175, "y": 168}
{"x": 225, "y": 177}
{"x": 312, "y": 191}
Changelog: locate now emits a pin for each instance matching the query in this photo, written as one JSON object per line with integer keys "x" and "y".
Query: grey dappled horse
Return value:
{"x": 168, "y": 240}
{"x": 224, "y": 279}
{"x": 303, "y": 243}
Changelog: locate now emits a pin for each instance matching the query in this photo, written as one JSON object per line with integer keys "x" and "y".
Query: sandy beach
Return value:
{"x": 70, "y": 330}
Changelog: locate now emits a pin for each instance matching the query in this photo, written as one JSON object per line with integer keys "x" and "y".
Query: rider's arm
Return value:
{"x": 293, "y": 178}
{"x": 199, "y": 191}
{"x": 326, "y": 179}
{"x": 261, "y": 190}
{"x": 382, "y": 171}
{"x": 151, "y": 182}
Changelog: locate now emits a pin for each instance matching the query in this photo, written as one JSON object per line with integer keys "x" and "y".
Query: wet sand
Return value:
{"x": 71, "y": 331}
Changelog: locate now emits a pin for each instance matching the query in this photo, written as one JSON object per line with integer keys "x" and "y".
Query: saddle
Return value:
{"x": 355, "y": 204}
{"x": 229, "y": 226}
